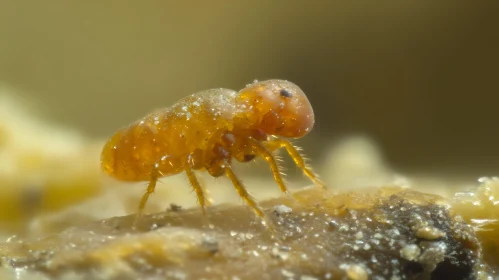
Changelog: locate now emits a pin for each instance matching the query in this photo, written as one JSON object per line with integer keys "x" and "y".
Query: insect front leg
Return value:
{"x": 262, "y": 151}
{"x": 275, "y": 144}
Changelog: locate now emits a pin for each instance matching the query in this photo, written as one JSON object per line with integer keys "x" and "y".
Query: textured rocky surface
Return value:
{"x": 480, "y": 207}
{"x": 383, "y": 233}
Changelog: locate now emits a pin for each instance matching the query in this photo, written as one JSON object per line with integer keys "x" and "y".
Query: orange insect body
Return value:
{"x": 206, "y": 130}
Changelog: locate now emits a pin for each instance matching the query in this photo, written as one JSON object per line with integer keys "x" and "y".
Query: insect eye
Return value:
{"x": 285, "y": 93}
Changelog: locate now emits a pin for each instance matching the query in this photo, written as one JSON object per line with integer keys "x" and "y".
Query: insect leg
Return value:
{"x": 197, "y": 188}
{"x": 243, "y": 193}
{"x": 150, "y": 189}
{"x": 262, "y": 151}
{"x": 297, "y": 158}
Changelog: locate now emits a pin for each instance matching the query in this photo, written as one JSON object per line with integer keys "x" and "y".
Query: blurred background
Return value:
{"x": 398, "y": 87}
{"x": 419, "y": 78}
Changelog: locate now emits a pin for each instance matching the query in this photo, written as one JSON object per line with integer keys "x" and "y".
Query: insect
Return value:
{"x": 206, "y": 131}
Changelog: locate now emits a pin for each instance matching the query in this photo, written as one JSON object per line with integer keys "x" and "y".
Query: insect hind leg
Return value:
{"x": 150, "y": 189}
{"x": 203, "y": 201}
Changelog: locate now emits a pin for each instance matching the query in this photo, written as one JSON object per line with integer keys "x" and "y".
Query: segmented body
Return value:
{"x": 206, "y": 130}
{"x": 167, "y": 137}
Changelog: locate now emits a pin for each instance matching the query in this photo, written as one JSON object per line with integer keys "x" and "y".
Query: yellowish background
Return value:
{"x": 419, "y": 77}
